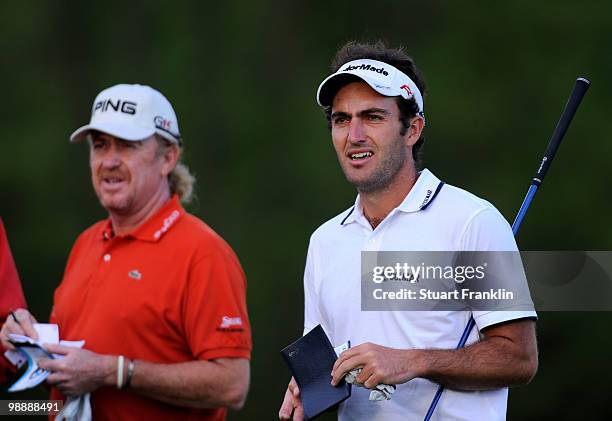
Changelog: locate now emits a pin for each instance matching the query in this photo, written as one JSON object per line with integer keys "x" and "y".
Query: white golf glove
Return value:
{"x": 381, "y": 393}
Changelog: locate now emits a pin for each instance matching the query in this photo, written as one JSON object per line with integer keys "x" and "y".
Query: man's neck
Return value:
{"x": 125, "y": 223}
{"x": 377, "y": 205}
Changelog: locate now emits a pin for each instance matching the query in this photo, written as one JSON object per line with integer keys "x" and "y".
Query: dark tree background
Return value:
{"x": 242, "y": 77}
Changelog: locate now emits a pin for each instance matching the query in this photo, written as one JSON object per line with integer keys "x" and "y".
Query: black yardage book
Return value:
{"x": 311, "y": 359}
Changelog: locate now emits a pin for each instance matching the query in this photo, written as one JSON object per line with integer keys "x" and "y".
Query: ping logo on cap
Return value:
{"x": 380, "y": 70}
{"x": 126, "y": 107}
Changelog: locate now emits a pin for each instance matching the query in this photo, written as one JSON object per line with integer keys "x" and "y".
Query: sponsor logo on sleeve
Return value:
{"x": 230, "y": 324}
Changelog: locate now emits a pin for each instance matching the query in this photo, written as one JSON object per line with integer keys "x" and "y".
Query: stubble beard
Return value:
{"x": 384, "y": 173}
{"x": 114, "y": 204}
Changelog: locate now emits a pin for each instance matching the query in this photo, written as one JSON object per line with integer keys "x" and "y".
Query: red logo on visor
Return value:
{"x": 407, "y": 88}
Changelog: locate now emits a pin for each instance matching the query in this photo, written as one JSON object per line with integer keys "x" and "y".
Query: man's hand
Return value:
{"x": 22, "y": 326}
{"x": 80, "y": 371}
{"x": 380, "y": 365}
{"x": 507, "y": 355}
{"x": 292, "y": 408}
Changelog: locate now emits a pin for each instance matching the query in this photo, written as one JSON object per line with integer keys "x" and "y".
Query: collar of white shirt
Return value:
{"x": 420, "y": 196}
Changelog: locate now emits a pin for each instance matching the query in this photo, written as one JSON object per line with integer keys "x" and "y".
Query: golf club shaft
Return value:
{"x": 580, "y": 88}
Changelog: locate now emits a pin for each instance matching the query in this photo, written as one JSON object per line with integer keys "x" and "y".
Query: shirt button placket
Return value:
{"x": 371, "y": 243}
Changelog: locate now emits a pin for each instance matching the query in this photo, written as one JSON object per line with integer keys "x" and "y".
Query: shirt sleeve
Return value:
{"x": 312, "y": 312}
{"x": 11, "y": 294}
{"x": 215, "y": 315}
{"x": 488, "y": 230}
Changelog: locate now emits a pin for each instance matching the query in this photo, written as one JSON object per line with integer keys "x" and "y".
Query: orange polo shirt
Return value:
{"x": 170, "y": 291}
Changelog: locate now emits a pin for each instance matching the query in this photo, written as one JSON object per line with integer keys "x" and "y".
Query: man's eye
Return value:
{"x": 339, "y": 120}
{"x": 97, "y": 145}
{"x": 374, "y": 117}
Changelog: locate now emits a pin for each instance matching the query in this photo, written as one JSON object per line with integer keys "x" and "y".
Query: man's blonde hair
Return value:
{"x": 181, "y": 181}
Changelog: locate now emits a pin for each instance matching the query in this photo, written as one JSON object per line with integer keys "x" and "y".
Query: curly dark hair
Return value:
{"x": 397, "y": 58}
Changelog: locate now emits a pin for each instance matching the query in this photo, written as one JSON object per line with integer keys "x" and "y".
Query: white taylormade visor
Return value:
{"x": 131, "y": 112}
{"x": 382, "y": 77}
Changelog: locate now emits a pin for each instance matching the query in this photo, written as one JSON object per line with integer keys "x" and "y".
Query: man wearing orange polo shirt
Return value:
{"x": 157, "y": 295}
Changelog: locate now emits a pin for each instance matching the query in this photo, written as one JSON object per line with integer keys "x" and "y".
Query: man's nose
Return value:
{"x": 112, "y": 159}
{"x": 356, "y": 131}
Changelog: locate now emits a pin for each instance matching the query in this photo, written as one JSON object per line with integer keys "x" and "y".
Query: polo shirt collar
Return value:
{"x": 418, "y": 198}
{"x": 154, "y": 228}
{"x": 422, "y": 193}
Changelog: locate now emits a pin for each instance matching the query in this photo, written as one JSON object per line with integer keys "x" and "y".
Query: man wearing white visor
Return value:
{"x": 374, "y": 103}
{"x": 157, "y": 296}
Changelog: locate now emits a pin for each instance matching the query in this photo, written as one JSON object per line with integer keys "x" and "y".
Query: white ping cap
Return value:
{"x": 382, "y": 77}
{"x": 131, "y": 112}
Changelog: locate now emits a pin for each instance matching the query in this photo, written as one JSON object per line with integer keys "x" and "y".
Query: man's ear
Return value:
{"x": 413, "y": 133}
{"x": 170, "y": 156}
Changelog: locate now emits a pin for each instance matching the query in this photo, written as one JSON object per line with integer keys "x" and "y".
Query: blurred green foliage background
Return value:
{"x": 242, "y": 77}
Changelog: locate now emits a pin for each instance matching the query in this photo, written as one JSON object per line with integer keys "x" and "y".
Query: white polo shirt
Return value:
{"x": 433, "y": 217}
